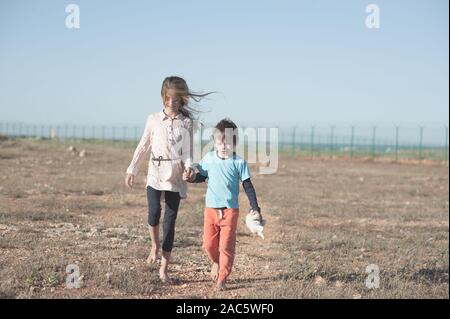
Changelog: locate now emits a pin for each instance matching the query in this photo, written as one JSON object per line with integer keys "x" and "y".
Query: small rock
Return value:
{"x": 320, "y": 281}
{"x": 72, "y": 149}
{"x": 100, "y": 227}
{"x": 83, "y": 153}
{"x": 357, "y": 296}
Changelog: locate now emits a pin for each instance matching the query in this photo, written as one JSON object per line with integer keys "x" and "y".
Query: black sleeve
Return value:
{"x": 251, "y": 194}
{"x": 199, "y": 178}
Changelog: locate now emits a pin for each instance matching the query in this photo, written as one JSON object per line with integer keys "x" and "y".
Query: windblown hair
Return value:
{"x": 180, "y": 88}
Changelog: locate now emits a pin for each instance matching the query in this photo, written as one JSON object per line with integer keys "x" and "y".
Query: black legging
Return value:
{"x": 172, "y": 200}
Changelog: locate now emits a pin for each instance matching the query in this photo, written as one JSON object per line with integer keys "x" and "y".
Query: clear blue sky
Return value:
{"x": 273, "y": 61}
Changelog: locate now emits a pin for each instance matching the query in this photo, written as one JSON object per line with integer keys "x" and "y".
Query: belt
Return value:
{"x": 160, "y": 159}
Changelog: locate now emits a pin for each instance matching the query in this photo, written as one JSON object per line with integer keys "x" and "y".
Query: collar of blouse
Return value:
{"x": 163, "y": 116}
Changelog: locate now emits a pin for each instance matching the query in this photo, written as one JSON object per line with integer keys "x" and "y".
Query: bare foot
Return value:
{"x": 215, "y": 271}
{"x": 221, "y": 286}
{"x": 164, "y": 276}
{"x": 151, "y": 259}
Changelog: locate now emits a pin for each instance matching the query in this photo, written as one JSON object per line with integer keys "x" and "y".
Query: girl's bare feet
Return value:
{"x": 215, "y": 271}
{"x": 151, "y": 259}
{"x": 221, "y": 286}
{"x": 164, "y": 265}
{"x": 154, "y": 236}
{"x": 164, "y": 276}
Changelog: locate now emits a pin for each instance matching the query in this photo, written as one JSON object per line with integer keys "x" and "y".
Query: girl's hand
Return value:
{"x": 189, "y": 175}
{"x": 129, "y": 180}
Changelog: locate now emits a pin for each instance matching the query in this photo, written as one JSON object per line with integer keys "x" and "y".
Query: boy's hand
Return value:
{"x": 258, "y": 211}
{"x": 129, "y": 180}
{"x": 189, "y": 175}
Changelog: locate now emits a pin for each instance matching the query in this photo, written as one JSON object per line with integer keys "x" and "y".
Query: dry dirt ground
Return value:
{"x": 326, "y": 222}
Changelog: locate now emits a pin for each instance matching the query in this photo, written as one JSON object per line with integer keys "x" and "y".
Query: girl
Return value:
{"x": 168, "y": 138}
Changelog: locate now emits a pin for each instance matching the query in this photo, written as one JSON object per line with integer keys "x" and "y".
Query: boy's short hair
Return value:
{"x": 227, "y": 125}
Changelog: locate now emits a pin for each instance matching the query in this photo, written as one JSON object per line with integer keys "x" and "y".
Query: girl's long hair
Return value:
{"x": 181, "y": 89}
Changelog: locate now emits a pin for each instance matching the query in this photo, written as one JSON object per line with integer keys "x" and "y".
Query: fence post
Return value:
{"x": 312, "y": 141}
{"x": 352, "y": 142}
{"x": 300, "y": 143}
{"x": 293, "y": 141}
{"x": 446, "y": 144}
{"x": 331, "y": 141}
{"x": 374, "y": 132}
{"x": 421, "y": 143}
{"x": 396, "y": 142}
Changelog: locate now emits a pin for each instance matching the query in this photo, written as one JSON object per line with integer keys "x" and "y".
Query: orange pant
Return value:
{"x": 219, "y": 238}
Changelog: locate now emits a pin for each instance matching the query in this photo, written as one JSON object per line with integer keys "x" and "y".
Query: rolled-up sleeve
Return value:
{"x": 141, "y": 149}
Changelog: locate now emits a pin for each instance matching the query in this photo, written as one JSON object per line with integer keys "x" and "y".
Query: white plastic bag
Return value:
{"x": 254, "y": 224}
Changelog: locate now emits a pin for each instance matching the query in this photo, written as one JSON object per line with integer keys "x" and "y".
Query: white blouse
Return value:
{"x": 169, "y": 142}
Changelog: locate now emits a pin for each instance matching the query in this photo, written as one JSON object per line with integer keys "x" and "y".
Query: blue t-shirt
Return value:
{"x": 224, "y": 176}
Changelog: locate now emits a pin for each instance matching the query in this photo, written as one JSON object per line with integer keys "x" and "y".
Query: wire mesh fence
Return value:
{"x": 332, "y": 141}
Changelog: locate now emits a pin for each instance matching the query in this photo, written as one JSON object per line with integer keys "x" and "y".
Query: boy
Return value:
{"x": 223, "y": 169}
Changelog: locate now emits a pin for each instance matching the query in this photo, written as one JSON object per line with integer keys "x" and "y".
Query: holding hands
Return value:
{"x": 189, "y": 175}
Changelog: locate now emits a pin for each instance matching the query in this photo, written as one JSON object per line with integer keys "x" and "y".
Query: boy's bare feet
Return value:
{"x": 215, "y": 271}
{"x": 221, "y": 286}
{"x": 151, "y": 259}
